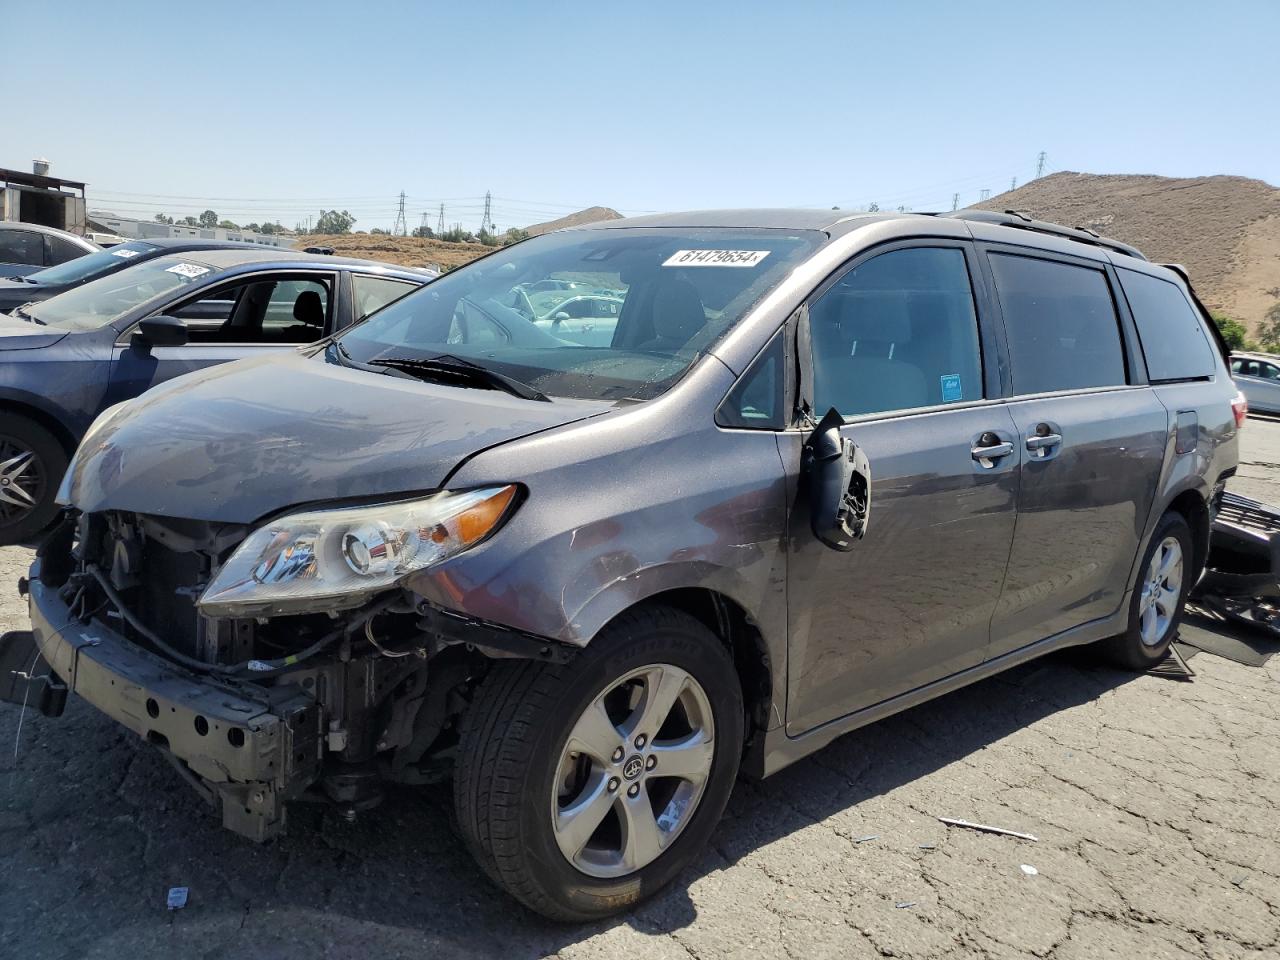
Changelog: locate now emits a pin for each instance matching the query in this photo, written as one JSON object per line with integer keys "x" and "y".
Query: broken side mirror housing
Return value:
{"x": 163, "y": 331}
{"x": 838, "y": 479}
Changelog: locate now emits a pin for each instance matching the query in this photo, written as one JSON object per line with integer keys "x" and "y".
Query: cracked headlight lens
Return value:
{"x": 332, "y": 559}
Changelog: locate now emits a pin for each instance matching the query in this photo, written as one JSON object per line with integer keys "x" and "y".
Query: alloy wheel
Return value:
{"x": 632, "y": 771}
{"x": 22, "y": 480}
{"x": 1161, "y": 590}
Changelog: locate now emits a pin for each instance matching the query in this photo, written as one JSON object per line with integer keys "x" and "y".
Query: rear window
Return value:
{"x": 1173, "y": 338}
{"x": 1061, "y": 324}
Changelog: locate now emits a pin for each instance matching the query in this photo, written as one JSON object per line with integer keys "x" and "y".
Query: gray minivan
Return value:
{"x": 826, "y": 468}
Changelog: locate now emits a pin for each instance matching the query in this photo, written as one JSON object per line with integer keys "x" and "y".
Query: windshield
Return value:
{"x": 593, "y": 314}
{"x": 99, "y": 302}
{"x": 93, "y": 264}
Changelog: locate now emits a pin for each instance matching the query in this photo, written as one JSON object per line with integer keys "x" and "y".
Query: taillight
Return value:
{"x": 1240, "y": 407}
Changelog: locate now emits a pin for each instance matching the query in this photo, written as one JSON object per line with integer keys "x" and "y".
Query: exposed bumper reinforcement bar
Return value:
{"x": 254, "y": 752}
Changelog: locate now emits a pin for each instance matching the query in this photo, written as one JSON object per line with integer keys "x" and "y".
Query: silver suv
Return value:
{"x": 825, "y": 468}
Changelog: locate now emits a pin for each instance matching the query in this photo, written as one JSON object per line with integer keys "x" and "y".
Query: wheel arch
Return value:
{"x": 39, "y": 415}
{"x": 739, "y": 631}
{"x": 1191, "y": 505}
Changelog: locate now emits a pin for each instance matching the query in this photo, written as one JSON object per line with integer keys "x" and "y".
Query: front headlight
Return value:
{"x": 331, "y": 559}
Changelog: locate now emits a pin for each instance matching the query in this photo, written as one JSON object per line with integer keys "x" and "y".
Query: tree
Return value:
{"x": 333, "y": 221}
{"x": 190, "y": 221}
{"x": 515, "y": 235}
{"x": 456, "y": 234}
{"x": 208, "y": 219}
{"x": 425, "y": 232}
{"x": 378, "y": 231}
{"x": 161, "y": 218}
{"x": 1269, "y": 330}
{"x": 228, "y": 225}
{"x": 252, "y": 227}
{"x": 1233, "y": 331}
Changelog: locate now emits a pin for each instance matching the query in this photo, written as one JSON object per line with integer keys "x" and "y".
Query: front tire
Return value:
{"x": 585, "y": 787}
{"x": 1165, "y": 577}
{"x": 32, "y": 463}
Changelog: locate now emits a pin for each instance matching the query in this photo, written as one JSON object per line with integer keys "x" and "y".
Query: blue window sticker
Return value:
{"x": 951, "y": 389}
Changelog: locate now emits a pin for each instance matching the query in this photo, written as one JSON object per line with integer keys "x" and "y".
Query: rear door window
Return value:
{"x": 1172, "y": 336}
{"x": 1061, "y": 324}
{"x": 21, "y": 246}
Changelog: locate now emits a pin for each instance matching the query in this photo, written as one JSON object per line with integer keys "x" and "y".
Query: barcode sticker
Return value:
{"x": 715, "y": 258}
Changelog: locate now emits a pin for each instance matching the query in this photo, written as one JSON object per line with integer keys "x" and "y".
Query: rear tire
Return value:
{"x": 1164, "y": 578}
{"x": 560, "y": 791}
{"x": 32, "y": 463}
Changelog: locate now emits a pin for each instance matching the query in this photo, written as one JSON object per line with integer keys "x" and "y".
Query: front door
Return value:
{"x": 247, "y": 318}
{"x": 898, "y": 352}
{"x": 1092, "y": 444}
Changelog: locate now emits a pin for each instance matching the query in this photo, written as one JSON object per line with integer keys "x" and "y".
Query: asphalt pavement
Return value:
{"x": 1155, "y": 803}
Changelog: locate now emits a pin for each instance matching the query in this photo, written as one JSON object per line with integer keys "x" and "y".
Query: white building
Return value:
{"x": 150, "y": 229}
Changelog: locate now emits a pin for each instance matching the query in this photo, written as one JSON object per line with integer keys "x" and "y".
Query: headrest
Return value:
{"x": 875, "y": 316}
{"x": 309, "y": 309}
{"x": 677, "y": 310}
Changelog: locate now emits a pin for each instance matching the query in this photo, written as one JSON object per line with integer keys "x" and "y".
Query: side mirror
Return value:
{"x": 838, "y": 479}
{"x": 163, "y": 331}
{"x": 560, "y": 316}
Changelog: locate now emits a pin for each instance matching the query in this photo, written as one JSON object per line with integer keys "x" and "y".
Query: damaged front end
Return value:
{"x": 1241, "y": 580}
{"x": 262, "y": 703}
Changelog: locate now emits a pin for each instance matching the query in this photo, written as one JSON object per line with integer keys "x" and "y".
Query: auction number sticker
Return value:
{"x": 189, "y": 270}
{"x": 125, "y": 254}
{"x": 715, "y": 258}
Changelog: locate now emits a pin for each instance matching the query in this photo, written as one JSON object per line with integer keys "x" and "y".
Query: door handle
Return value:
{"x": 1041, "y": 444}
{"x": 986, "y": 456}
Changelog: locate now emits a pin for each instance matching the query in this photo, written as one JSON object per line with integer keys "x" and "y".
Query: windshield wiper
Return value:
{"x": 450, "y": 369}
{"x": 22, "y": 312}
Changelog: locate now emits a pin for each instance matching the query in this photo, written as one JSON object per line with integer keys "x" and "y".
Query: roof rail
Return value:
{"x": 1024, "y": 221}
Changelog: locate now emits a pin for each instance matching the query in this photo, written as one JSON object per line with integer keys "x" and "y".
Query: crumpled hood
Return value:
{"x": 19, "y": 334}
{"x": 240, "y": 441}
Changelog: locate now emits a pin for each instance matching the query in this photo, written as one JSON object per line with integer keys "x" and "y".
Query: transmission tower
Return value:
{"x": 440, "y": 225}
{"x": 422, "y": 230}
{"x": 486, "y": 222}
{"x": 1013, "y": 184}
{"x": 400, "y": 228}
{"x": 984, "y": 195}
{"x": 1040, "y": 164}
{"x": 955, "y": 201}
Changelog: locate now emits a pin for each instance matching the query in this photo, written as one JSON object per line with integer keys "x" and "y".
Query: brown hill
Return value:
{"x": 589, "y": 215}
{"x": 406, "y": 251}
{"x": 1225, "y": 230}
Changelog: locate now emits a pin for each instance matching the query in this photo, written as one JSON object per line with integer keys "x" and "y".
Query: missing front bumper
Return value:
{"x": 253, "y": 749}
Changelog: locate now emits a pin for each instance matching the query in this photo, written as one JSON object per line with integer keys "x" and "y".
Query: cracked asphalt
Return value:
{"x": 1155, "y": 803}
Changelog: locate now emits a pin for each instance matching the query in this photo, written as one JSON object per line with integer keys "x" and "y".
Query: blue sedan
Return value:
{"x": 65, "y": 359}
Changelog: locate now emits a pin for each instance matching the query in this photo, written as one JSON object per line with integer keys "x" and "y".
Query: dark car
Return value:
{"x": 51, "y": 281}
{"x": 27, "y": 247}
{"x": 825, "y": 469}
{"x": 65, "y": 359}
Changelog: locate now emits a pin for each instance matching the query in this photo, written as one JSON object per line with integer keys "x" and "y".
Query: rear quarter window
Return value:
{"x": 1171, "y": 332}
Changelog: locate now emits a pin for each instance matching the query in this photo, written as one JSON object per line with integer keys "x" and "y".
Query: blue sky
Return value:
{"x": 277, "y": 109}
